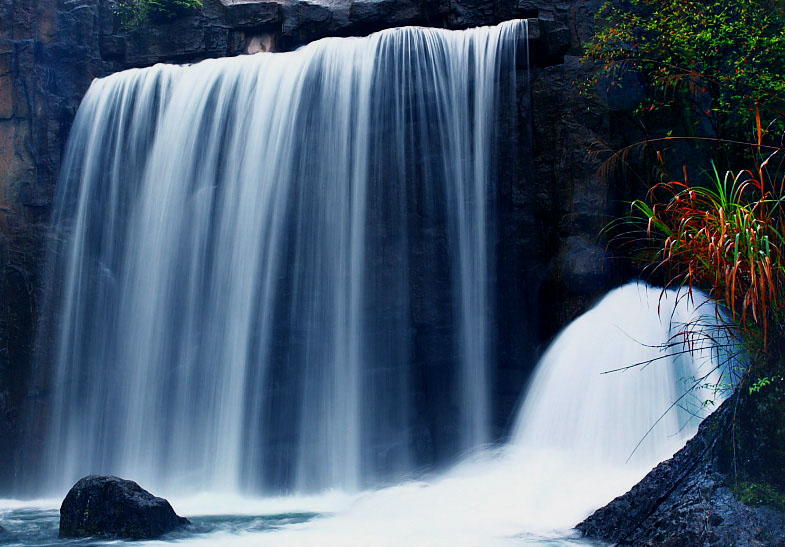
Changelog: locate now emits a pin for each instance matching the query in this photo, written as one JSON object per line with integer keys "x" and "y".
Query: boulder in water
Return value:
{"x": 111, "y": 507}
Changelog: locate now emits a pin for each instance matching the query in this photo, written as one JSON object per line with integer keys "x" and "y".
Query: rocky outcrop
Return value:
{"x": 110, "y": 507}
{"x": 689, "y": 500}
{"x": 574, "y": 201}
{"x": 48, "y": 56}
{"x": 552, "y": 201}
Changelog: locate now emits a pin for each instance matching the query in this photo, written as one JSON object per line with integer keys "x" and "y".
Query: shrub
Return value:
{"x": 136, "y": 13}
{"x": 713, "y": 64}
{"x": 725, "y": 235}
{"x": 710, "y": 61}
{"x": 716, "y": 63}
{"x": 719, "y": 224}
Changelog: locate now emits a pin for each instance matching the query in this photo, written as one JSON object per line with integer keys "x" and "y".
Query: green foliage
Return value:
{"x": 757, "y": 494}
{"x": 136, "y": 13}
{"x": 711, "y": 92}
{"x": 712, "y": 76}
{"x": 712, "y": 60}
{"x": 763, "y": 382}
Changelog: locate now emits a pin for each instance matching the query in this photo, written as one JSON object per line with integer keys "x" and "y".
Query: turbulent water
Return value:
{"x": 583, "y": 436}
{"x": 251, "y": 255}
{"x": 627, "y": 383}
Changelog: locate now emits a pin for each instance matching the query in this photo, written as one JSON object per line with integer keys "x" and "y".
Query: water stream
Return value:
{"x": 269, "y": 299}
{"x": 259, "y": 262}
{"x": 583, "y": 436}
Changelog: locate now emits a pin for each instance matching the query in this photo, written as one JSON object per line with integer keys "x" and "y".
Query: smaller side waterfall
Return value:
{"x": 620, "y": 384}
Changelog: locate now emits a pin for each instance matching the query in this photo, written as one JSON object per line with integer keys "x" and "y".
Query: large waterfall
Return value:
{"x": 250, "y": 254}
{"x": 273, "y": 291}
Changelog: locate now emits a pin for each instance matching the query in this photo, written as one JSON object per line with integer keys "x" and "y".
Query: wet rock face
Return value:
{"x": 701, "y": 511}
{"x": 47, "y": 60}
{"x": 111, "y": 507}
{"x": 226, "y": 27}
{"x": 574, "y": 202}
{"x": 686, "y": 501}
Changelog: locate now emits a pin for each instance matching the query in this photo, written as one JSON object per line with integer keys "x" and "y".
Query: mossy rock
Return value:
{"x": 758, "y": 495}
{"x": 138, "y": 13}
{"x": 751, "y": 449}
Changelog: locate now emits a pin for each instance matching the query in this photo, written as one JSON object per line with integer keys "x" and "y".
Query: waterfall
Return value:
{"x": 583, "y": 435}
{"x": 627, "y": 383}
{"x": 248, "y": 255}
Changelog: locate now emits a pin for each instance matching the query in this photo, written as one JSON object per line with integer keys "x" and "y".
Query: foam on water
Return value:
{"x": 576, "y": 445}
{"x": 582, "y": 437}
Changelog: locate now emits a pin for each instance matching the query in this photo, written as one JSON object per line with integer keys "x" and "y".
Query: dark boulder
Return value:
{"x": 112, "y": 507}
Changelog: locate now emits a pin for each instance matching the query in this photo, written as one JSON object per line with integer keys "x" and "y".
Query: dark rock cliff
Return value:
{"x": 553, "y": 206}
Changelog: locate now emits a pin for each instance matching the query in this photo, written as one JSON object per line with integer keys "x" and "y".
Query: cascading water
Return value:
{"x": 582, "y": 437}
{"x": 628, "y": 382}
{"x": 247, "y": 257}
{"x": 246, "y": 251}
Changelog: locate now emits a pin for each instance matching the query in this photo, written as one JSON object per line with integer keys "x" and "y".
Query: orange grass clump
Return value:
{"x": 726, "y": 237}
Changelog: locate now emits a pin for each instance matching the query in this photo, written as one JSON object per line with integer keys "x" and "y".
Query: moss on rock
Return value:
{"x": 757, "y": 494}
